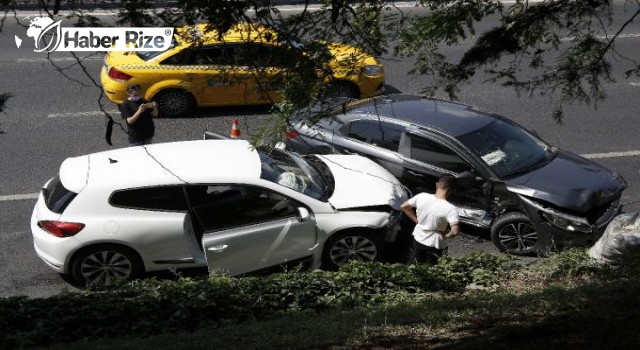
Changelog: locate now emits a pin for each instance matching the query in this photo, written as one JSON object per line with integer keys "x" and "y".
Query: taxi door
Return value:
{"x": 216, "y": 80}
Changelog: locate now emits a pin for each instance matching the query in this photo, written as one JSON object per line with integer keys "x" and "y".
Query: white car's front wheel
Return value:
{"x": 352, "y": 246}
{"x": 104, "y": 266}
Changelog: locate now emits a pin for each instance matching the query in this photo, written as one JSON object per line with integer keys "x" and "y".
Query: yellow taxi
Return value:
{"x": 245, "y": 66}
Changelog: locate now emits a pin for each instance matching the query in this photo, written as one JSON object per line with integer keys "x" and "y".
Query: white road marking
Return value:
{"x": 60, "y": 59}
{"x": 18, "y": 197}
{"x": 606, "y": 37}
{"x": 612, "y": 155}
{"x": 281, "y": 8}
{"x": 81, "y": 114}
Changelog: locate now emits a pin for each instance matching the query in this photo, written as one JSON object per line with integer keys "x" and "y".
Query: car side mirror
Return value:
{"x": 465, "y": 175}
{"x": 303, "y": 214}
{"x": 468, "y": 175}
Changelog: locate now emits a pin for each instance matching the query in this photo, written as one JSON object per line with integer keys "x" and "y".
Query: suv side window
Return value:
{"x": 377, "y": 133}
{"x": 220, "y": 207}
{"x": 165, "y": 198}
{"x": 430, "y": 152}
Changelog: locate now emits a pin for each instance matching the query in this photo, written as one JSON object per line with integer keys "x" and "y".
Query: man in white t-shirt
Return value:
{"x": 433, "y": 216}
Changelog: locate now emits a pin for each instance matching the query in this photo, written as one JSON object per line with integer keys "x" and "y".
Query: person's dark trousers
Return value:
{"x": 402, "y": 247}
{"x": 426, "y": 254}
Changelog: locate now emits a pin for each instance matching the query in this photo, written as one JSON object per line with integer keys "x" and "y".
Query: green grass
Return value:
{"x": 559, "y": 316}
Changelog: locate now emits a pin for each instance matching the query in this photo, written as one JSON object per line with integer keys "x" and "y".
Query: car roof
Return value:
{"x": 240, "y": 32}
{"x": 202, "y": 161}
{"x": 450, "y": 117}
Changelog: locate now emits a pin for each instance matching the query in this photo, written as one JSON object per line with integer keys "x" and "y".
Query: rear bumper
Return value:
{"x": 115, "y": 91}
{"x": 50, "y": 249}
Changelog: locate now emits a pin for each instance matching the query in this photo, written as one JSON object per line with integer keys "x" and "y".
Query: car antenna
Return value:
{"x": 111, "y": 161}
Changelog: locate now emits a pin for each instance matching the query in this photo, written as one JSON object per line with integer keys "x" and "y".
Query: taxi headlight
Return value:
{"x": 372, "y": 70}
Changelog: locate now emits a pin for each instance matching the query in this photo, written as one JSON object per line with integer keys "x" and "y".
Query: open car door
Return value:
{"x": 255, "y": 247}
{"x": 248, "y": 228}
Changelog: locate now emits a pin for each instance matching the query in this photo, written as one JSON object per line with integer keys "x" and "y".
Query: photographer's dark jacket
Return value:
{"x": 143, "y": 129}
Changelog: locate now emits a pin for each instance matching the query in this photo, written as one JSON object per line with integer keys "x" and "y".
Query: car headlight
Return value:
{"x": 373, "y": 70}
{"x": 566, "y": 223}
{"x": 561, "y": 220}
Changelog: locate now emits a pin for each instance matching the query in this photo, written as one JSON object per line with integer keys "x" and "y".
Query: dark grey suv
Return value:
{"x": 531, "y": 195}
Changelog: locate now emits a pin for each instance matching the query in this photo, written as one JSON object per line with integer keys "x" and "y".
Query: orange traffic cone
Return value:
{"x": 235, "y": 132}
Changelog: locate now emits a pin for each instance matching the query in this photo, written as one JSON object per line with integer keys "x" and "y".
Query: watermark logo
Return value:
{"x": 49, "y": 36}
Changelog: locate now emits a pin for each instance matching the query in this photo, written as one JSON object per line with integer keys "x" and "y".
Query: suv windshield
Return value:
{"x": 507, "y": 148}
{"x": 293, "y": 172}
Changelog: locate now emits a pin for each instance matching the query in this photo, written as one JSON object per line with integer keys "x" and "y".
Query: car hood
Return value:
{"x": 570, "y": 182}
{"x": 347, "y": 57}
{"x": 360, "y": 182}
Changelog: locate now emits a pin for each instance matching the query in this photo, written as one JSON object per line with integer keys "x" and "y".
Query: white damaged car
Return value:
{"x": 114, "y": 215}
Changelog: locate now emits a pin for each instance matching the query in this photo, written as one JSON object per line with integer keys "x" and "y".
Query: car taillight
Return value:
{"x": 118, "y": 75}
{"x": 60, "y": 228}
{"x": 291, "y": 134}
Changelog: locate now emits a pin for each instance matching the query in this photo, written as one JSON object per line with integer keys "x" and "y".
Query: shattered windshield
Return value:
{"x": 507, "y": 148}
{"x": 293, "y": 172}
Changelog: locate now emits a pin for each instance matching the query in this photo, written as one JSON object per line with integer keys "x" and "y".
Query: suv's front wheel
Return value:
{"x": 513, "y": 233}
{"x": 352, "y": 245}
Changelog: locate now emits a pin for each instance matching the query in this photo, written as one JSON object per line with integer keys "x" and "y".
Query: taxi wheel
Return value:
{"x": 174, "y": 103}
{"x": 342, "y": 89}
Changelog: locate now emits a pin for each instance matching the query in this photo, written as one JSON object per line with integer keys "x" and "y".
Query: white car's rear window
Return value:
{"x": 56, "y": 196}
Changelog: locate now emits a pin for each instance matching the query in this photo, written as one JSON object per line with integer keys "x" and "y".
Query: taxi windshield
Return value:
{"x": 147, "y": 55}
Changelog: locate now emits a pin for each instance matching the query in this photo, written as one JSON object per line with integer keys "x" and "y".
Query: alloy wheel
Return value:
{"x": 352, "y": 248}
{"x": 518, "y": 237}
{"x": 104, "y": 268}
{"x": 340, "y": 89}
{"x": 174, "y": 103}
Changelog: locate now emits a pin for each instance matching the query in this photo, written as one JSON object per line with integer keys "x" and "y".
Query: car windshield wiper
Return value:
{"x": 550, "y": 153}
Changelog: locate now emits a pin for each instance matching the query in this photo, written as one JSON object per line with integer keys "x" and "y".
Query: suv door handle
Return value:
{"x": 415, "y": 173}
{"x": 218, "y": 249}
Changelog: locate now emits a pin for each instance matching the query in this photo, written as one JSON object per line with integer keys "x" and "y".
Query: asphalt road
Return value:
{"x": 52, "y": 117}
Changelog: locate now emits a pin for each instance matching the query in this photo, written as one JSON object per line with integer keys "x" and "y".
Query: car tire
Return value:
{"x": 174, "y": 103}
{"x": 352, "y": 246}
{"x": 105, "y": 265}
{"x": 341, "y": 89}
{"x": 513, "y": 233}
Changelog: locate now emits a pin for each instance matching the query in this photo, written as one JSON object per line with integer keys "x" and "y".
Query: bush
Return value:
{"x": 150, "y": 306}
{"x": 570, "y": 263}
